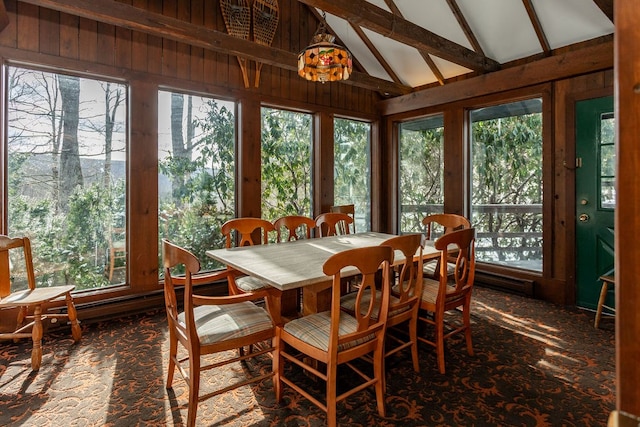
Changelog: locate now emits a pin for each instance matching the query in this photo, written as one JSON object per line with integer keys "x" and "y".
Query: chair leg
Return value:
{"x": 413, "y": 336}
{"x": 173, "y": 351}
{"x": 194, "y": 388}
{"x": 379, "y": 373}
{"x": 76, "y": 332}
{"x": 332, "y": 410}
{"x": 603, "y": 296}
{"x": 36, "y": 334}
{"x": 439, "y": 340}
{"x": 278, "y": 366}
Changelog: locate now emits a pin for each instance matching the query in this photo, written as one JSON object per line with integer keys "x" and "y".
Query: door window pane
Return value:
{"x": 352, "y": 172}
{"x": 196, "y": 150}
{"x": 286, "y": 163}
{"x": 506, "y": 184}
{"x": 607, "y": 162}
{"x": 66, "y": 172}
{"x": 421, "y": 171}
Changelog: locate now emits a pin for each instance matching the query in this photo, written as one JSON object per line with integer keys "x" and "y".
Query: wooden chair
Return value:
{"x": 335, "y": 338}
{"x": 442, "y": 295}
{"x": 349, "y": 210}
{"x": 292, "y": 225}
{"x": 209, "y": 325}
{"x": 31, "y": 300}
{"x": 333, "y": 223}
{"x": 117, "y": 249}
{"x": 246, "y": 232}
{"x": 404, "y": 301}
{"x": 444, "y": 223}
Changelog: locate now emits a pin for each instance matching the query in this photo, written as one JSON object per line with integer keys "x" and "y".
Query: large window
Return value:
{"x": 421, "y": 171}
{"x": 66, "y": 163}
{"x": 352, "y": 171}
{"x": 196, "y": 140}
{"x": 506, "y": 185}
{"x": 286, "y": 163}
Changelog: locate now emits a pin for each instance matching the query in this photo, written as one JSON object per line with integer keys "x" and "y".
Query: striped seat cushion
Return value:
{"x": 430, "y": 290}
{"x": 429, "y": 268}
{"x": 251, "y": 284}
{"x": 348, "y": 303}
{"x": 315, "y": 328}
{"x": 217, "y": 323}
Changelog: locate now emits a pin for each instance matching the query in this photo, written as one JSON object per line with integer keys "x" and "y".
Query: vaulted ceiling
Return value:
{"x": 418, "y": 43}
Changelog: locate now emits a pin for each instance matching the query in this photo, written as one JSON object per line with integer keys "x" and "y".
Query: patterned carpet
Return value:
{"x": 536, "y": 364}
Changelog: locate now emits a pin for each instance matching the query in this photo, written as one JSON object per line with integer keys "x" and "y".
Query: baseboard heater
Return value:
{"x": 505, "y": 282}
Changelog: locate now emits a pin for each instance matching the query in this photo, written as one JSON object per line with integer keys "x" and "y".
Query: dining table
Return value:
{"x": 298, "y": 264}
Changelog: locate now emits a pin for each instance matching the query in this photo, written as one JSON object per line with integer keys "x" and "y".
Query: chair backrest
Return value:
{"x": 7, "y": 245}
{"x": 461, "y": 242}
{"x": 368, "y": 261}
{"x": 449, "y": 222}
{"x": 409, "y": 277}
{"x": 292, "y": 225}
{"x": 250, "y": 231}
{"x": 346, "y": 209}
{"x": 333, "y": 223}
{"x": 173, "y": 256}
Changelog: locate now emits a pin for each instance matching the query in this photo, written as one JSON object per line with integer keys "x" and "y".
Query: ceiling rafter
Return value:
{"x": 391, "y": 26}
{"x": 462, "y": 21}
{"x": 425, "y": 55}
{"x": 132, "y": 18}
{"x": 537, "y": 26}
{"x": 606, "y": 6}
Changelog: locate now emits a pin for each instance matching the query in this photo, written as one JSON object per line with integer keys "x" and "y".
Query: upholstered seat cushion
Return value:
{"x": 430, "y": 290}
{"x": 429, "y": 268}
{"x": 348, "y": 302}
{"x": 314, "y": 330}
{"x": 215, "y": 323}
{"x": 250, "y": 284}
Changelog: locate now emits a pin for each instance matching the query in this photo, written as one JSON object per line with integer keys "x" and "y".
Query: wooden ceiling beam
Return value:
{"x": 369, "y": 16}
{"x": 136, "y": 19}
{"x": 537, "y": 26}
{"x": 606, "y": 6}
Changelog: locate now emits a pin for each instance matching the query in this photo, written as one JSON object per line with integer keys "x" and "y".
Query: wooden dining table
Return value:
{"x": 298, "y": 264}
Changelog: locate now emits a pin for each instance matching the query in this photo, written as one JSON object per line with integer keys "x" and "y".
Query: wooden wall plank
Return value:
{"x": 106, "y": 44}
{"x": 49, "y": 31}
{"x": 169, "y": 47}
{"x": 28, "y": 17}
{"x": 69, "y": 36}
{"x": 154, "y": 44}
{"x": 183, "y": 51}
{"x": 88, "y": 37}
{"x": 123, "y": 44}
{"x": 211, "y": 10}
{"x": 139, "y": 52}
{"x": 196, "y": 57}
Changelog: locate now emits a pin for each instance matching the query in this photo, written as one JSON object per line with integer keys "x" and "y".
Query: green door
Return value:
{"x": 595, "y": 198}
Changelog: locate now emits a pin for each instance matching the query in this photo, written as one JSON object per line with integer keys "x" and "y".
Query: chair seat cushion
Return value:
{"x": 430, "y": 290}
{"x": 429, "y": 268}
{"x": 315, "y": 328}
{"x": 250, "y": 284}
{"x": 217, "y": 323}
{"x": 348, "y": 303}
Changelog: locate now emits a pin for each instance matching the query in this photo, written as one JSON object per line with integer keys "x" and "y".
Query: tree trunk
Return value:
{"x": 70, "y": 169}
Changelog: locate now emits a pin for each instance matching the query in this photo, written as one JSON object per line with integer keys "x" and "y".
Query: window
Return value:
{"x": 286, "y": 163}
{"x": 506, "y": 183}
{"x": 352, "y": 171}
{"x": 66, "y": 162}
{"x": 607, "y": 157}
{"x": 421, "y": 171}
{"x": 196, "y": 150}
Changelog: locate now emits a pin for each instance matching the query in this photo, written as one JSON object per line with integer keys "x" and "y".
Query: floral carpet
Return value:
{"x": 535, "y": 364}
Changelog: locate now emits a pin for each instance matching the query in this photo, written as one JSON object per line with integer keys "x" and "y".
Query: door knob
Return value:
{"x": 583, "y": 217}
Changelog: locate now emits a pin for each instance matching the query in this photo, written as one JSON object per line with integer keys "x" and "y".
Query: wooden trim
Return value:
{"x": 627, "y": 70}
